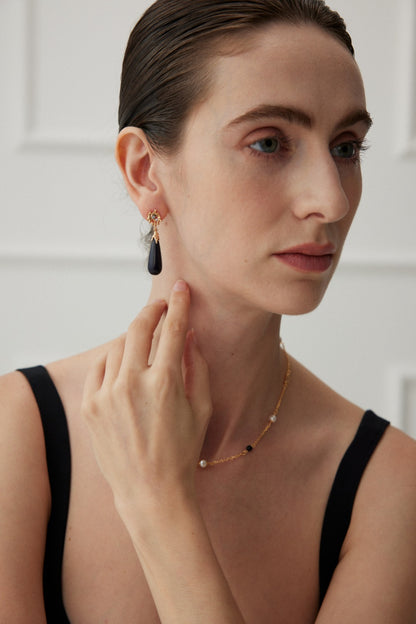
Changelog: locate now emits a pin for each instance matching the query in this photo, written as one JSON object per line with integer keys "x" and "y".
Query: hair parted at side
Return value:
{"x": 166, "y": 64}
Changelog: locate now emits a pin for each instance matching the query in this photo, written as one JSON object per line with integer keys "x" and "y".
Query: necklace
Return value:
{"x": 204, "y": 463}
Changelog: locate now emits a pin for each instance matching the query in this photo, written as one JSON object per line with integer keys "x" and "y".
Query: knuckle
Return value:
{"x": 119, "y": 343}
{"x": 90, "y": 407}
{"x": 122, "y": 386}
{"x": 145, "y": 320}
{"x": 138, "y": 324}
{"x": 163, "y": 383}
{"x": 125, "y": 388}
{"x": 206, "y": 410}
{"x": 176, "y": 326}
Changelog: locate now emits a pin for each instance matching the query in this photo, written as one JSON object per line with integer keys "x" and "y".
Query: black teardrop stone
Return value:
{"x": 154, "y": 264}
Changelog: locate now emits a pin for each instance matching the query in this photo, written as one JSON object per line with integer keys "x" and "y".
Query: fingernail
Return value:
{"x": 180, "y": 285}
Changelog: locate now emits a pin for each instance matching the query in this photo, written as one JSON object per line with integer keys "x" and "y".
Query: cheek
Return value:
{"x": 352, "y": 190}
{"x": 225, "y": 193}
{"x": 352, "y": 185}
{"x": 256, "y": 189}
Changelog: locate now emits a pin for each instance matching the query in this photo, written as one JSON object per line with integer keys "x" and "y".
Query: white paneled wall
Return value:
{"x": 406, "y": 71}
{"x": 71, "y": 266}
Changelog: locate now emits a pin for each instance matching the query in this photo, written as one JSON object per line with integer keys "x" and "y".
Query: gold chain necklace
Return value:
{"x": 204, "y": 463}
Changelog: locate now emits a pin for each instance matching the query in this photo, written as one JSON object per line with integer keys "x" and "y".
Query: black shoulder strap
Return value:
{"x": 341, "y": 499}
{"x": 58, "y": 456}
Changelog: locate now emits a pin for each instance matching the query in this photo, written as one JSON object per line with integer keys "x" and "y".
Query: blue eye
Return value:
{"x": 269, "y": 145}
{"x": 346, "y": 150}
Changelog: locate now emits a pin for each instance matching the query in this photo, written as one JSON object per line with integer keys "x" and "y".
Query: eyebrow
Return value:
{"x": 297, "y": 116}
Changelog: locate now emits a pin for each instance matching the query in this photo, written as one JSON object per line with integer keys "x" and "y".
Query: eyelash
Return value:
{"x": 361, "y": 145}
{"x": 286, "y": 143}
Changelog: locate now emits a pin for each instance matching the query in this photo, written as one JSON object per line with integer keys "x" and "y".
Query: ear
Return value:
{"x": 137, "y": 161}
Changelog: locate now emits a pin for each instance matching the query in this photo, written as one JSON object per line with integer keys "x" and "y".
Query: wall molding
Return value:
{"x": 36, "y": 255}
{"x": 401, "y": 381}
{"x": 406, "y": 71}
{"x": 33, "y": 135}
{"x": 379, "y": 261}
{"x": 38, "y": 139}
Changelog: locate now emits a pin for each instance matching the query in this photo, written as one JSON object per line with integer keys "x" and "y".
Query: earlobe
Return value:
{"x": 135, "y": 157}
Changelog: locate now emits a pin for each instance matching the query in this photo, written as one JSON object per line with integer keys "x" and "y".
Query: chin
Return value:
{"x": 298, "y": 310}
{"x": 303, "y": 301}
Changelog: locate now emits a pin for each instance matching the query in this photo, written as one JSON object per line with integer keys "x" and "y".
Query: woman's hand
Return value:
{"x": 148, "y": 422}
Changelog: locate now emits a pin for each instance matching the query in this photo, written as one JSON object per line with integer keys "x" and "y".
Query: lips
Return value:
{"x": 308, "y": 257}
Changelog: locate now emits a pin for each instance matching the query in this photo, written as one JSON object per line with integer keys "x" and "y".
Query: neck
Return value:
{"x": 246, "y": 365}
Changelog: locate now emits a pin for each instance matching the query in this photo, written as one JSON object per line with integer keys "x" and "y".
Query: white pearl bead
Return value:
{"x": 273, "y": 418}
{"x": 203, "y": 463}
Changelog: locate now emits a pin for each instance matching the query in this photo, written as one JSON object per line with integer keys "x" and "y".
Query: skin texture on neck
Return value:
{"x": 246, "y": 368}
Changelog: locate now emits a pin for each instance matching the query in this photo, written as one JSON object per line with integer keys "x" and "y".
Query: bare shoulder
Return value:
{"x": 389, "y": 483}
{"x": 322, "y": 411}
{"x": 24, "y": 501}
{"x": 25, "y": 498}
{"x": 392, "y": 468}
{"x": 69, "y": 374}
{"x": 23, "y": 451}
{"x": 20, "y": 426}
{"x": 397, "y": 450}
{"x": 375, "y": 580}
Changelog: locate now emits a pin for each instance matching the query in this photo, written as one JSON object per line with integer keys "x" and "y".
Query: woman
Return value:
{"x": 212, "y": 477}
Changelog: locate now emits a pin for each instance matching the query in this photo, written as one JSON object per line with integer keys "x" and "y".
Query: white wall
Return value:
{"x": 71, "y": 266}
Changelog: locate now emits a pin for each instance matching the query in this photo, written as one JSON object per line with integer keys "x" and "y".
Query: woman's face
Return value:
{"x": 269, "y": 162}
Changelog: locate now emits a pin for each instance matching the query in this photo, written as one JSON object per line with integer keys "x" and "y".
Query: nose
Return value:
{"x": 319, "y": 191}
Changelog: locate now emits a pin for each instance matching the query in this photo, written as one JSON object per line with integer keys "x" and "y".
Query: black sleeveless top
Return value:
{"x": 58, "y": 454}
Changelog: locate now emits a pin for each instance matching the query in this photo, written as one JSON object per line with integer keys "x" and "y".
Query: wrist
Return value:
{"x": 159, "y": 513}
{"x": 175, "y": 551}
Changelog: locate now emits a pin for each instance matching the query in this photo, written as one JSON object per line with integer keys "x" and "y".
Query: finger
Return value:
{"x": 196, "y": 379}
{"x": 173, "y": 335}
{"x": 114, "y": 359}
{"x": 95, "y": 376}
{"x": 140, "y": 336}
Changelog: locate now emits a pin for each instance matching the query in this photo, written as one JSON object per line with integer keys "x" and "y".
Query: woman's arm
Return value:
{"x": 147, "y": 425}
{"x": 180, "y": 565}
{"x": 375, "y": 580}
{"x": 24, "y": 504}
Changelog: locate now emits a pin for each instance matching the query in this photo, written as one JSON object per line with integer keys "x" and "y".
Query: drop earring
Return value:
{"x": 154, "y": 263}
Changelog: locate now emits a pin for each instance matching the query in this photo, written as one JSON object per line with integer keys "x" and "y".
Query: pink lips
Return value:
{"x": 309, "y": 257}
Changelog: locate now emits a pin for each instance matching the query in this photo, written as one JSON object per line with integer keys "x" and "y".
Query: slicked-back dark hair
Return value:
{"x": 166, "y": 64}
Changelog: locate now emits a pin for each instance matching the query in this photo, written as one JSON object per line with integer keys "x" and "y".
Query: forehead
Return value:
{"x": 291, "y": 65}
